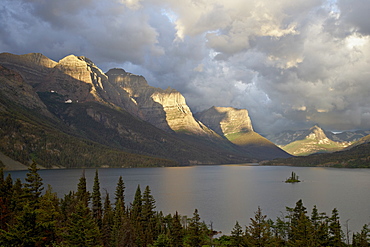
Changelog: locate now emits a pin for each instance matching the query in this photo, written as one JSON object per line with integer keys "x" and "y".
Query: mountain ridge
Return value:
{"x": 285, "y": 137}
{"x": 236, "y": 126}
{"x": 312, "y": 141}
{"x": 73, "y": 95}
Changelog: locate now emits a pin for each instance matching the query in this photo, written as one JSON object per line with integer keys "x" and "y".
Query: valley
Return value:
{"x": 49, "y": 110}
{"x": 71, "y": 114}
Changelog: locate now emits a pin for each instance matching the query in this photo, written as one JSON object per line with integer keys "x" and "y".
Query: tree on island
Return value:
{"x": 28, "y": 218}
{"x": 294, "y": 178}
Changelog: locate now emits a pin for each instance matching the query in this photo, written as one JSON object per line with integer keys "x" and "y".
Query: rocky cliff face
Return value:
{"x": 236, "y": 126}
{"x": 317, "y": 134}
{"x": 226, "y": 120}
{"x": 165, "y": 109}
{"x": 78, "y": 79}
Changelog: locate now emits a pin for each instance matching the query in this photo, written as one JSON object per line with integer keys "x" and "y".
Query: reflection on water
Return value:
{"x": 226, "y": 194}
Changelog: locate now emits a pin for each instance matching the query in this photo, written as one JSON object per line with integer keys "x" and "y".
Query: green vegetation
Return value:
{"x": 255, "y": 145}
{"x": 247, "y": 138}
{"x": 308, "y": 146}
{"x": 26, "y": 135}
{"x": 91, "y": 134}
{"x": 356, "y": 157}
{"x": 294, "y": 178}
{"x": 81, "y": 218}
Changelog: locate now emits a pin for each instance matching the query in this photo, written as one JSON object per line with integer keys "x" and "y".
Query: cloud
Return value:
{"x": 290, "y": 63}
{"x": 354, "y": 14}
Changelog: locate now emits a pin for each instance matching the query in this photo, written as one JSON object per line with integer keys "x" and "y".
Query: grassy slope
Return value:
{"x": 356, "y": 157}
{"x": 308, "y": 146}
{"x": 256, "y": 145}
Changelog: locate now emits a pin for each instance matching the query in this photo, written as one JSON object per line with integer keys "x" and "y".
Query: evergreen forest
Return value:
{"x": 31, "y": 215}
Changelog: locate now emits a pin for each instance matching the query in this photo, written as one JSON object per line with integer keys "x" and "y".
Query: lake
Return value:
{"x": 228, "y": 193}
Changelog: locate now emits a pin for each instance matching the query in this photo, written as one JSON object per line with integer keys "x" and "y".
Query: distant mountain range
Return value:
{"x": 287, "y": 137}
{"x": 314, "y": 140}
{"x": 71, "y": 114}
{"x": 320, "y": 150}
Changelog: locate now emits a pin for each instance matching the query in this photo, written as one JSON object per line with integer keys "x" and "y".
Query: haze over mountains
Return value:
{"x": 51, "y": 102}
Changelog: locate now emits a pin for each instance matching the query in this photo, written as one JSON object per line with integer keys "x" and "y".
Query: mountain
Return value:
{"x": 236, "y": 126}
{"x": 28, "y": 130}
{"x": 355, "y": 157}
{"x": 78, "y": 79}
{"x": 348, "y": 136}
{"x": 362, "y": 140}
{"x": 286, "y": 137}
{"x": 71, "y": 114}
{"x": 165, "y": 109}
{"x": 312, "y": 141}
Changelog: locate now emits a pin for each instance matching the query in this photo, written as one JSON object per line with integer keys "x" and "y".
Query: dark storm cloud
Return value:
{"x": 290, "y": 63}
{"x": 356, "y": 14}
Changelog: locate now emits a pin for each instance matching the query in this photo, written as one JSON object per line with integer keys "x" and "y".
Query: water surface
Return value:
{"x": 229, "y": 193}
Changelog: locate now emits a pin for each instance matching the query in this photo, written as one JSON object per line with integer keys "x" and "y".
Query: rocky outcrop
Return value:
{"x": 78, "y": 79}
{"x": 236, "y": 125}
{"x": 226, "y": 120}
{"x": 312, "y": 141}
{"x": 317, "y": 134}
{"x": 165, "y": 109}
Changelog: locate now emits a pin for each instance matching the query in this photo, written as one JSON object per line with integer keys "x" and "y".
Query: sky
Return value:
{"x": 290, "y": 63}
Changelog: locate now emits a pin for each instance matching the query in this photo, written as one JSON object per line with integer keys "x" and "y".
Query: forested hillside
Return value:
{"x": 61, "y": 115}
{"x": 26, "y": 135}
{"x": 356, "y": 157}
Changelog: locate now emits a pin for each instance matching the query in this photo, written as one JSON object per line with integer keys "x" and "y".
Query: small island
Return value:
{"x": 294, "y": 178}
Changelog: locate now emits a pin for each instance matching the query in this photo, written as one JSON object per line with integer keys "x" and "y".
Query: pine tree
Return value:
{"x": 96, "y": 201}
{"x": 81, "y": 229}
{"x": 237, "y": 238}
{"x": 67, "y": 205}
{"x": 123, "y": 232}
{"x": 33, "y": 186}
{"x": 49, "y": 216}
{"x": 6, "y": 198}
{"x": 335, "y": 229}
{"x": 107, "y": 222}
{"x": 148, "y": 221}
{"x": 320, "y": 236}
{"x": 24, "y": 231}
{"x": 17, "y": 198}
{"x": 300, "y": 226}
{"x": 195, "y": 231}
{"x": 176, "y": 231}
{"x": 1, "y": 174}
{"x": 120, "y": 192}
{"x": 82, "y": 194}
{"x": 162, "y": 241}
{"x": 137, "y": 217}
{"x": 280, "y": 231}
{"x": 259, "y": 232}
{"x": 137, "y": 205}
{"x": 362, "y": 238}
